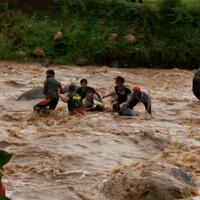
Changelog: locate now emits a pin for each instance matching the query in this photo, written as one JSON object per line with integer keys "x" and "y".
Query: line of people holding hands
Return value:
{"x": 85, "y": 98}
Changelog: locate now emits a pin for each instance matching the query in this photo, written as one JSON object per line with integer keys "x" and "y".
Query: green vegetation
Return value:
{"x": 4, "y": 159}
{"x": 168, "y": 33}
{"x": 4, "y": 198}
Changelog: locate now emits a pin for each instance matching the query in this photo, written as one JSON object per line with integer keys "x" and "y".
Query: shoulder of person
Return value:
{"x": 127, "y": 89}
{"x": 79, "y": 89}
{"x": 77, "y": 95}
{"x": 145, "y": 92}
{"x": 58, "y": 82}
{"x": 91, "y": 88}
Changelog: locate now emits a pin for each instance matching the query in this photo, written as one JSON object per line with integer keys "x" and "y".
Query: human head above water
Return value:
{"x": 72, "y": 88}
{"x": 119, "y": 80}
{"x": 50, "y": 73}
{"x": 83, "y": 82}
{"x": 89, "y": 94}
{"x": 137, "y": 89}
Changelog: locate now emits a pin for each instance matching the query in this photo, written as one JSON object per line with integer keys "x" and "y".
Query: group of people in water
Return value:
{"x": 85, "y": 98}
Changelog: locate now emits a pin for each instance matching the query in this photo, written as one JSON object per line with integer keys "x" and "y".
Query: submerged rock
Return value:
{"x": 151, "y": 181}
{"x": 37, "y": 93}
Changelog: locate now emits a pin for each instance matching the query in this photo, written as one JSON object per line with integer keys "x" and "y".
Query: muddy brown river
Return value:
{"x": 67, "y": 157}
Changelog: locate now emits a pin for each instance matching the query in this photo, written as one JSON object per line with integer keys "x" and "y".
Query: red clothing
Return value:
{"x": 3, "y": 190}
{"x": 79, "y": 111}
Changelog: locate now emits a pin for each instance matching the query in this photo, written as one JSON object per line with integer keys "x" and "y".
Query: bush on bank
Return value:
{"x": 168, "y": 33}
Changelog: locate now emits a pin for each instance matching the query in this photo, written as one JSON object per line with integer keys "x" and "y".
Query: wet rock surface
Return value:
{"x": 149, "y": 182}
{"x": 37, "y": 93}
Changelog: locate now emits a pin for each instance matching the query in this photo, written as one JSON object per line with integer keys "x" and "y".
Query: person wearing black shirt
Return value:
{"x": 82, "y": 91}
{"x": 120, "y": 93}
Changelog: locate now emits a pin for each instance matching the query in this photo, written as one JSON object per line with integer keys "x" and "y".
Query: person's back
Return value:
{"x": 51, "y": 87}
{"x": 140, "y": 95}
{"x": 196, "y": 84}
{"x": 74, "y": 101}
{"x": 143, "y": 96}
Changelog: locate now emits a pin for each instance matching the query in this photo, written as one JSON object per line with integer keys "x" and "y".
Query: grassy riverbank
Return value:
{"x": 167, "y": 33}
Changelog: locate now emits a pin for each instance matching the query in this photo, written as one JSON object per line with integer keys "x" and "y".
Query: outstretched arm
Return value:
{"x": 148, "y": 108}
{"x": 109, "y": 95}
{"x": 63, "y": 98}
{"x": 147, "y": 104}
{"x": 61, "y": 90}
{"x": 98, "y": 95}
{"x": 90, "y": 108}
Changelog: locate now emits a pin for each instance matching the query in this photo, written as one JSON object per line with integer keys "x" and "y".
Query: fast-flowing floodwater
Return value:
{"x": 66, "y": 157}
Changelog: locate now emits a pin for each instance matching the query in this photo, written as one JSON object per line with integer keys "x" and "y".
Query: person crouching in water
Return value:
{"x": 120, "y": 93}
{"x": 51, "y": 89}
{"x": 90, "y": 104}
{"x": 82, "y": 90}
{"x": 138, "y": 95}
{"x": 73, "y": 99}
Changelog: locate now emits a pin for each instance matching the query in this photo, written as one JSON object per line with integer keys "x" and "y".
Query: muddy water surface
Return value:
{"x": 66, "y": 157}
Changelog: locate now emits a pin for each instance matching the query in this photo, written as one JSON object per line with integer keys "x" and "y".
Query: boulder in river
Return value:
{"x": 150, "y": 181}
{"x": 37, "y": 93}
{"x": 130, "y": 39}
